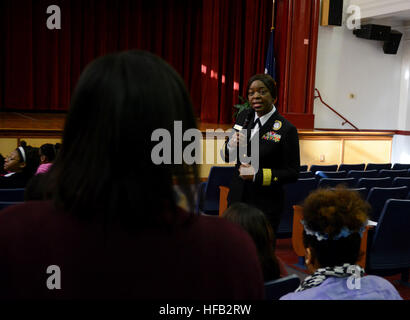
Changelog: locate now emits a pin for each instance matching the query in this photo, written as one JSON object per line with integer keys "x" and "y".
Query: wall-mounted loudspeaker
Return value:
{"x": 392, "y": 45}
{"x": 373, "y": 32}
{"x": 332, "y": 13}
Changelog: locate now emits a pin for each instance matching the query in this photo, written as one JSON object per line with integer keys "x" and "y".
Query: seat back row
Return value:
{"x": 389, "y": 252}
{"x": 376, "y": 191}
{"x": 358, "y": 166}
{"x": 355, "y": 174}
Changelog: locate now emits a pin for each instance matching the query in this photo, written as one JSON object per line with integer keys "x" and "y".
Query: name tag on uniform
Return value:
{"x": 237, "y": 127}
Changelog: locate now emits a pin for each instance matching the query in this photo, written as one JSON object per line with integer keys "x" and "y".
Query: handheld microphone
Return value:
{"x": 245, "y": 125}
{"x": 239, "y": 128}
{"x": 247, "y": 120}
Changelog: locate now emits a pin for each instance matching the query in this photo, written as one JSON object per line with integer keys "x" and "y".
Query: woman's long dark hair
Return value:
{"x": 254, "y": 221}
{"x": 104, "y": 169}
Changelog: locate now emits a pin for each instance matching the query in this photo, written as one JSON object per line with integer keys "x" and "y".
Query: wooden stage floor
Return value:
{"x": 52, "y": 124}
{"x": 31, "y": 124}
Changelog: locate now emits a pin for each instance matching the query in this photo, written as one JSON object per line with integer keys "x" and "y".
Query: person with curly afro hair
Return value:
{"x": 334, "y": 221}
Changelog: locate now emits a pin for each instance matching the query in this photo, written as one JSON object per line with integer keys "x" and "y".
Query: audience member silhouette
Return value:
{"x": 48, "y": 153}
{"x": 20, "y": 166}
{"x": 334, "y": 221}
{"x": 111, "y": 227}
{"x": 258, "y": 227}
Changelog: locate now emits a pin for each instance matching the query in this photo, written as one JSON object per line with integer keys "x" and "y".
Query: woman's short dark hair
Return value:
{"x": 104, "y": 168}
{"x": 254, "y": 221}
{"x": 268, "y": 81}
{"x": 49, "y": 151}
{"x": 328, "y": 211}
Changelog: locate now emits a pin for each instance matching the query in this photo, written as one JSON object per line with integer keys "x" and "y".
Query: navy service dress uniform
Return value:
{"x": 279, "y": 163}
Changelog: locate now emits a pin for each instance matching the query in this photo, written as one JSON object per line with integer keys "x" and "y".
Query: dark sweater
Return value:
{"x": 206, "y": 258}
{"x": 17, "y": 180}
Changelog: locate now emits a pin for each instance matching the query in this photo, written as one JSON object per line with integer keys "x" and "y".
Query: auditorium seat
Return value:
{"x": 393, "y": 173}
{"x": 378, "y": 166}
{"x": 389, "y": 252}
{"x": 277, "y": 288}
{"x": 400, "y": 166}
{"x": 374, "y": 182}
{"x": 306, "y": 174}
{"x": 363, "y": 192}
{"x": 378, "y": 196}
{"x": 348, "y": 167}
{"x": 303, "y": 167}
{"x": 208, "y": 197}
{"x": 317, "y": 167}
{"x": 295, "y": 194}
{"x": 334, "y": 182}
{"x": 330, "y": 174}
{"x": 363, "y": 174}
{"x": 401, "y": 181}
{"x": 12, "y": 195}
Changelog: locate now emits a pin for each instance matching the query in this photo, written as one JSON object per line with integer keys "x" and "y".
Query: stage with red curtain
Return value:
{"x": 215, "y": 45}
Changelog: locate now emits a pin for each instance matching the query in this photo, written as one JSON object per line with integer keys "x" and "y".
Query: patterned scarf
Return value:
{"x": 322, "y": 274}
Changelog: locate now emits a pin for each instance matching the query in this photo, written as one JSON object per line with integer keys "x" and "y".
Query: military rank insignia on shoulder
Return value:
{"x": 277, "y": 125}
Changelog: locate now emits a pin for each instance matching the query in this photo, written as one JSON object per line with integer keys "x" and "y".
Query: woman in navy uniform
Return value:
{"x": 279, "y": 158}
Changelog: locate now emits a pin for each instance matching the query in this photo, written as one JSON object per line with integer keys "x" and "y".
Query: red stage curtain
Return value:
{"x": 235, "y": 35}
{"x": 215, "y": 45}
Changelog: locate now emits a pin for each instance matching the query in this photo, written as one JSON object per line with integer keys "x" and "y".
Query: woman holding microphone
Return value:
{"x": 278, "y": 154}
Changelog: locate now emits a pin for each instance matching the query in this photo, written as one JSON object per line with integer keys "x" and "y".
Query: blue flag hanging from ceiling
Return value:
{"x": 270, "y": 57}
